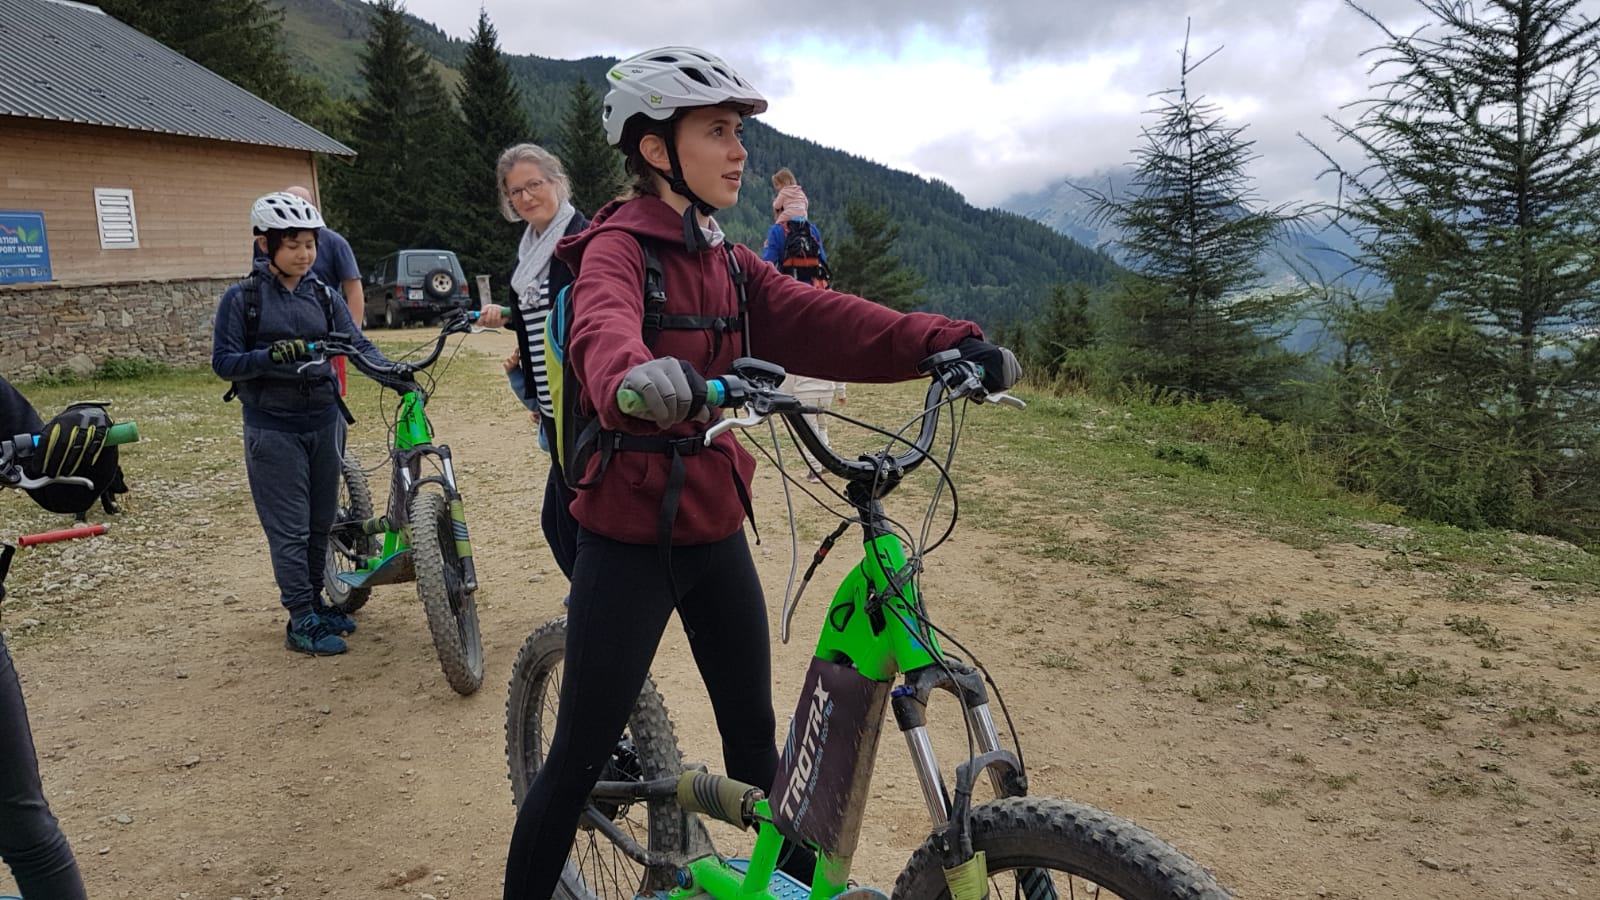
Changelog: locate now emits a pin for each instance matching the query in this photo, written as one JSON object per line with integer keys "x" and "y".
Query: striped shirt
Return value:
{"x": 535, "y": 310}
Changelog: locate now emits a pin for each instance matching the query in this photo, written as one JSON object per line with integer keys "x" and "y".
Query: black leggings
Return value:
{"x": 31, "y": 842}
{"x": 620, "y": 605}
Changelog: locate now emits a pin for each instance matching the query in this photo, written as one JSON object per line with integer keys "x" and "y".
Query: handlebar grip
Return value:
{"x": 64, "y": 534}
{"x": 474, "y": 315}
{"x": 629, "y": 401}
{"x": 120, "y": 433}
{"x": 123, "y": 433}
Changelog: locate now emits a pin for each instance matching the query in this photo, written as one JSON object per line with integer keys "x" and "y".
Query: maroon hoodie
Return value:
{"x": 807, "y": 330}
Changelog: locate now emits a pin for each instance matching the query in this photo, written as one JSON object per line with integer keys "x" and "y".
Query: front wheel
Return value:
{"x": 1040, "y": 848}
{"x": 441, "y": 585}
{"x": 646, "y": 750}
{"x": 349, "y": 546}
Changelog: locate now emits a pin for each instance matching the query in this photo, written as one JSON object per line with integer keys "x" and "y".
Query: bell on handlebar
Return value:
{"x": 758, "y": 371}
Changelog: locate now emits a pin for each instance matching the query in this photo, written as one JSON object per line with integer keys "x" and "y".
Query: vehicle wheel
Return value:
{"x": 440, "y": 285}
{"x": 452, "y": 609}
{"x": 392, "y": 316}
{"x": 647, "y": 750}
{"x": 348, "y": 543}
{"x": 1083, "y": 851}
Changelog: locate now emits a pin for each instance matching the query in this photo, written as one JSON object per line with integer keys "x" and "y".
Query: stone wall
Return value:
{"x": 50, "y": 328}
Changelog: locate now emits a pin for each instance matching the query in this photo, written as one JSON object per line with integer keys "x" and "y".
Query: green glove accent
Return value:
{"x": 289, "y": 351}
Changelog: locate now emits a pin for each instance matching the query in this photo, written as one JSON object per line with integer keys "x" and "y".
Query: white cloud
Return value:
{"x": 995, "y": 97}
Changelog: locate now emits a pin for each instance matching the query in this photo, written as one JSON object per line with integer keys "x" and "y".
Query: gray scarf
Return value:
{"x": 533, "y": 255}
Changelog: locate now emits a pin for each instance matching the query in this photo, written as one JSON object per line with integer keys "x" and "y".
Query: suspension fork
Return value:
{"x": 910, "y": 702}
{"x": 452, "y": 496}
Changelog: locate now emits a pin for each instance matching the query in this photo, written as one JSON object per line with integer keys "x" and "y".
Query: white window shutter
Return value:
{"x": 113, "y": 211}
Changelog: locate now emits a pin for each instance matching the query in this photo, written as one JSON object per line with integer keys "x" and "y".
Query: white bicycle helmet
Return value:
{"x": 658, "y": 83}
{"x": 281, "y": 210}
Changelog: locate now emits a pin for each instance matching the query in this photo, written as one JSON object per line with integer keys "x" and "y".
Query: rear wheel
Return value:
{"x": 441, "y": 584}
{"x": 1040, "y": 848}
{"x": 392, "y": 317}
{"x": 349, "y": 546}
{"x": 646, "y": 750}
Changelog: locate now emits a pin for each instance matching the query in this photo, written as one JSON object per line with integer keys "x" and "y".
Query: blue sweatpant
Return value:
{"x": 294, "y": 480}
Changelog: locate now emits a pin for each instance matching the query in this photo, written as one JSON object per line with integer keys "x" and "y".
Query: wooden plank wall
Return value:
{"x": 191, "y": 197}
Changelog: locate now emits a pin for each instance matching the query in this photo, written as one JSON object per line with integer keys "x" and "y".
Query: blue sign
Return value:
{"x": 24, "y": 249}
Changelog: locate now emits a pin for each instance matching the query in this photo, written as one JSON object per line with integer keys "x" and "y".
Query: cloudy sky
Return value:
{"x": 1001, "y": 96}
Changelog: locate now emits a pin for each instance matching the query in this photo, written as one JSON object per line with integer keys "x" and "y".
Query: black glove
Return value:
{"x": 671, "y": 389}
{"x": 71, "y": 442}
{"x": 1000, "y": 367}
{"x": 289, "y": 351}
{"x": 403, "y": 370}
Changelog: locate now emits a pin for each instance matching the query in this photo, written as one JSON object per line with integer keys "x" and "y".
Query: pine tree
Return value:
{"x": 241, "y": 40}
{"x": 404, "y": 187}
{"x": 864, "y": 264}
{"x": 1192, "y": 316}
{"x": 1473, "y": 388}
{"x": 491, "y": 105}
{"x": 1064, "y": 333}
{"x": 594, "y": 167}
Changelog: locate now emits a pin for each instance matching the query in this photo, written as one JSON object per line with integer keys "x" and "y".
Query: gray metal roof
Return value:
{"x": 69, "y": 62}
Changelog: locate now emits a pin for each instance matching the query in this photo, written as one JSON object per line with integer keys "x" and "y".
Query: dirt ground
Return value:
{"x": 190, "y": 756}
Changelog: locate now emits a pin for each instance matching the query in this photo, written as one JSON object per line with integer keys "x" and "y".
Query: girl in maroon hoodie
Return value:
{"x": 661, "y": 529}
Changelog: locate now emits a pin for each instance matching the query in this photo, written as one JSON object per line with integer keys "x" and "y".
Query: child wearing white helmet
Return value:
{"x": 661, "y": 523}
{"x": 293, "y": 420}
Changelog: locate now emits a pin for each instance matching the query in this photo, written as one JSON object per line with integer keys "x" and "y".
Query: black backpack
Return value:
{"x": 802, "y": 253}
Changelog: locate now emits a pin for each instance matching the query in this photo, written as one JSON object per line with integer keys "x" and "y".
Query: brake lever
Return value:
{"x": 29, "y": 484}
{"x": 1005, "y": 399}
{"x": 313, "y": 361}
{"x": 725, "y": 425}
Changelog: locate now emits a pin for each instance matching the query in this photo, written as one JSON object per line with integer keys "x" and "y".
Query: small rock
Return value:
{"x": 325, "y": 710}
{"x": 230, "y": 599}
{"x": 122, "y": 819}
{"x": 1431, "y": 863}
{"x": 182, "y": 674}
{"x": 189, "y": 762}
{"x": 1521, "y": 821}
{"x": 103, "y": 851}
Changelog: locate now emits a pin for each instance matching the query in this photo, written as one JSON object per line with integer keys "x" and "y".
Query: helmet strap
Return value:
{"x": 693, "y": 237}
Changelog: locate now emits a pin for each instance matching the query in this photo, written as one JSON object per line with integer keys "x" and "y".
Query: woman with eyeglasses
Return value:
{"x": 534, "y": 188}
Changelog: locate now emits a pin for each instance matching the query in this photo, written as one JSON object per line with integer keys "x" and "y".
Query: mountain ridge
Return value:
{"x": 989, "y": 265}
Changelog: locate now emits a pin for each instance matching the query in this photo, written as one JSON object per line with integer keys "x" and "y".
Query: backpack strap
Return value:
{"x": 250, "y": 293}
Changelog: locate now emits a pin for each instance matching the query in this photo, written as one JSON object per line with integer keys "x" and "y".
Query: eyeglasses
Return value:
{"x": 527, "y": 189}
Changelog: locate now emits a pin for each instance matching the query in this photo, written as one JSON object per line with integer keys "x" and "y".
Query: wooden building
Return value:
{"x": 133, "y": 170}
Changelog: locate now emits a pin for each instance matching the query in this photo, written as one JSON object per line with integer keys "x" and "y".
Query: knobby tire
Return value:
{"x": 355, "y": 505}
{"x": 647, "y": 749}
{"x": 1087, "y": 852}
{"x": 452, "y": 609}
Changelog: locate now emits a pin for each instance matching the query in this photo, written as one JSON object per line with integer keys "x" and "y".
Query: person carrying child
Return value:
{"x": 794, "y": 243}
